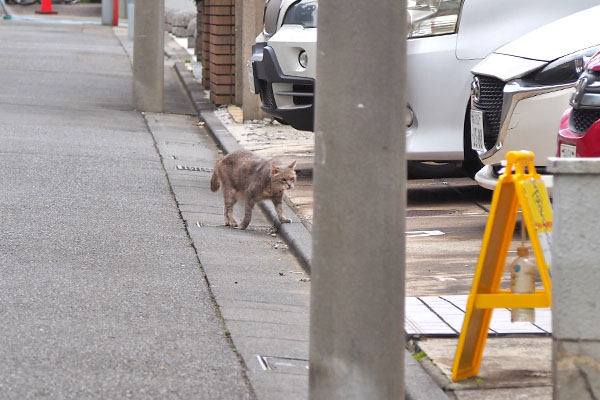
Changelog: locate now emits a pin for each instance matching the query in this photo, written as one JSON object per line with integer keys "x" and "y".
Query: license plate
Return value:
{"x": 251, "y": 76}
{"x": 477, "y": 142}
{"x": 567, "y": 150}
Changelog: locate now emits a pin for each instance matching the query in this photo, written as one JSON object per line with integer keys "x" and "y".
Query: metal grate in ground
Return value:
{"x": 444, "y": 315}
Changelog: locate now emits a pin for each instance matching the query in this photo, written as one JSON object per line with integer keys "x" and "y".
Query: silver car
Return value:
{"x": 522, "y": 89}
{"x": 443, "y": 45}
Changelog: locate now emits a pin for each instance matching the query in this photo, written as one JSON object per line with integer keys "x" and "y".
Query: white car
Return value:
{"x": 521, "y": 90}
{"x": 282, "y": 68}
{"x": 445, "y": 39}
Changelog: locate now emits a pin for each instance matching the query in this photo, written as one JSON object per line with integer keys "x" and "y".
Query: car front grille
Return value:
{"x": 582, "y": 119}
{"x": 266, "y": 94}
{"x": 490, "y": 102}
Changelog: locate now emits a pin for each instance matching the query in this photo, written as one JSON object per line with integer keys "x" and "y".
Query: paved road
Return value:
{"x": 101, "y": 293}
{"x": 445, "y": 222}
{"x": 446, "y": 217}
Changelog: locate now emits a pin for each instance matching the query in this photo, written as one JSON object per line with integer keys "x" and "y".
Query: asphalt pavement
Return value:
{"x": 102, "y": 294}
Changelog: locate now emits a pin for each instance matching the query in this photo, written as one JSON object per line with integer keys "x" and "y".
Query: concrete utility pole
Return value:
{"x": 357, "y": 294}
{"x": 148, "y": 56}
{"x": 575, "y": 278}
{"x": 248, "y": 25}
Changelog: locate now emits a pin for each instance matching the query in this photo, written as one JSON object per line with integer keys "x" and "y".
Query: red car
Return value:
{"x": 579, "y": 132}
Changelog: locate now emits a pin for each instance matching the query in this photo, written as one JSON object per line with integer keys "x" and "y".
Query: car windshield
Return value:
{"x": 302, "y": 13}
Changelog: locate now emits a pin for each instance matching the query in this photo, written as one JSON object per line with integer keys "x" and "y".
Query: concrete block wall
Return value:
{"x": 178, "y": 22}
{"x": 218, "y": 50}
{"x": 182, "y": 23}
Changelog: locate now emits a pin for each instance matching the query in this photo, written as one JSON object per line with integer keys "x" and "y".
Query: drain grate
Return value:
{"x": 195, "y": 169}
{"x": 258, "y": 228}
{"x": 288, "y": 365}
{"x": 429, "y": 213}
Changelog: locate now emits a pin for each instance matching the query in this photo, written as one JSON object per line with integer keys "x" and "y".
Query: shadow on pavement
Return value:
{"x": 422, "y": 170}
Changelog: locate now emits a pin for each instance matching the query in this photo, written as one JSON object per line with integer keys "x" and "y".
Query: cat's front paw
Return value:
{"x": 232, "y": 223}
{"x": 284, "y": 220}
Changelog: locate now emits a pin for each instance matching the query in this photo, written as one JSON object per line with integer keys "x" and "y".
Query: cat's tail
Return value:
{"x": 215, "y": 183}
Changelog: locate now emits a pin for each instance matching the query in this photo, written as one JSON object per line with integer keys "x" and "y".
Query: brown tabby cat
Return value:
{"x": 244, "y": 174}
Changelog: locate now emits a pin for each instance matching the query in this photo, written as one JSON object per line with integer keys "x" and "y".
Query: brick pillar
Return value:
{"x": 218, "y": 52}
{"x": 205, "y": 45}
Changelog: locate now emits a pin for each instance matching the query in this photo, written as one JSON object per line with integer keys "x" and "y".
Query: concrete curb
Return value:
{"x": 418, "y": 384}
{"x": 193, "y": 88}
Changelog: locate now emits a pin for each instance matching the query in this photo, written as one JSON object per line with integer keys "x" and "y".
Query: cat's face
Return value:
{"x": 283, "y": 178}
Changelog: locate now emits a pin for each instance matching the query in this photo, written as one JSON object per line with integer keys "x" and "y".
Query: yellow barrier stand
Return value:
{"x": 519, "y": 187}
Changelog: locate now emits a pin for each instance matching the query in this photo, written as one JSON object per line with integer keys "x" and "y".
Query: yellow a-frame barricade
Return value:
{"x": 522, "y": 189}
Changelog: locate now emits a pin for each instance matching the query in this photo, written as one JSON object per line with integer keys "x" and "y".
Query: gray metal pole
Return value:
{"x": 148, "y": 56}
{"x": 357, "y": 341}
{"x": 576, "y": 278}
{"x": 107, "y": 12}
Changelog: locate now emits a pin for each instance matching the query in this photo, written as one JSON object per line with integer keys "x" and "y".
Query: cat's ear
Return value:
{"x": 292, "y": 165}
{"x": 274, "y": 170}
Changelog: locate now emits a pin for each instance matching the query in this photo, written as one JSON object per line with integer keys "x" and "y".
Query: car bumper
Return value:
{"x": 486, "y": 178}
{"x": 528, "y": 120}
{"x": 585, "y": 144}
{"x": 438, "y": 95}
{"x": 290, "y": 98}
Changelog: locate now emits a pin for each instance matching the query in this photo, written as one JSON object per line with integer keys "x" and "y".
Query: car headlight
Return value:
{"x": 432, "y": 17}
{"x": 303, "y": 13}
{"x": 566, "y": 69}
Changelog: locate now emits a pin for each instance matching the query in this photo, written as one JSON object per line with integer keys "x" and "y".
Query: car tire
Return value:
{"x": 471, "y": 163}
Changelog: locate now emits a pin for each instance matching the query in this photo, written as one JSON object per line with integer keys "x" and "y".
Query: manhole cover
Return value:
{"x": 191, "y": 168}
{"x": 429, "y": 213}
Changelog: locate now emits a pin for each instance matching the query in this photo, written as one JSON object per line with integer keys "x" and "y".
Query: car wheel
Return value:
{"x": 471, "y": 163}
